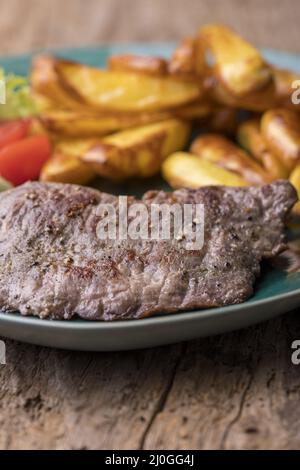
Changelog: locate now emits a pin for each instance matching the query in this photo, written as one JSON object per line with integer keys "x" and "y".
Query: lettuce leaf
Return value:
{"x": 19, "y": 103}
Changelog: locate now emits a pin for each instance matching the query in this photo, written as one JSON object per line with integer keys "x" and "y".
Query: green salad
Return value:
{"x": 19, "y": 103}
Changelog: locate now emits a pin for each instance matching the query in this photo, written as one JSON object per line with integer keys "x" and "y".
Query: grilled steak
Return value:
{"x": 52, "y": 264}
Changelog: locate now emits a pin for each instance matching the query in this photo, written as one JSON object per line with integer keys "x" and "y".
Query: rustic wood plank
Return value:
{"x": 68, "y": 400}
{"x": 27, "y": 24}
{"x": 237, "y": 390}
{"x": 60, "y": 395}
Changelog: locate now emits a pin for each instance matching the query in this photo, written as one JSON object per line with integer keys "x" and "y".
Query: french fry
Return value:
{"x": 281, "y": 130}
{"x": 140, "y": 64}
{"x": 237, "y": 64}
{"x": 64, "y": 168}
{"x": 137, "y": 152}
{"x": 226, "y": 154}
{"x": 250, "y": 138}
{"x": 183, "y": 169}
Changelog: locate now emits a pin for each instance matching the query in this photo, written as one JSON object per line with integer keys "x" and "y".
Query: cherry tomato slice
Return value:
{"x": 13, "y": 131}
{"x": 23, "y": 160}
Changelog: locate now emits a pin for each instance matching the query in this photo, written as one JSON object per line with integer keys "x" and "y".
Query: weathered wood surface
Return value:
{"x": 235, "y": 391}
{"x": 27, "y": 24}
{"x": 238, "y": 390}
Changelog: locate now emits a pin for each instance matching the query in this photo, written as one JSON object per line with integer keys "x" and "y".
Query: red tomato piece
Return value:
{"x": 13, "y": 131}
{"x": 22, "y": 161}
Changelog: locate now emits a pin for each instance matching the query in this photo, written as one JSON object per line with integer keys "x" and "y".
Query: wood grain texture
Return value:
{"x": 27, "y": 24}
{"x": 235, "y": 391}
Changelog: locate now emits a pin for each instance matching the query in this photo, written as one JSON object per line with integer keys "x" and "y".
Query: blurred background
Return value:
{"x": 31, "y": 24}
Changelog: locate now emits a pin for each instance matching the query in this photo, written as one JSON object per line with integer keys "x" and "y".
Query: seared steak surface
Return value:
{"x": 52, "y": 264}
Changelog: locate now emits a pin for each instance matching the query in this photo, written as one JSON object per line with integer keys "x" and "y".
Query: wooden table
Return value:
{"x": 235, "y": 391}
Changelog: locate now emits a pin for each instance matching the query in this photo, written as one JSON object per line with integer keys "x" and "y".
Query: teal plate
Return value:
{"x": 275, "y": 292}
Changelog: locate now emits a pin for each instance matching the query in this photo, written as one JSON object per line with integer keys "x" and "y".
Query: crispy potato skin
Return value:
{"x": 295, "y": 180}
{"x": 257, "y": 101}
{"x": 222, "y": 120}
{"x": 183, "y": 61}
{"x": 183, "y": 169}
{"x": 124, "y": 91}
{"x": 226, "y": 154}
{"x": 138, "y": 152}
{"x": 237, "y": 64}
{"x": 62, "y": 168}
{"x": 281, "y": 130}
{"x": 75, "y": 147}
{"x": 80, "y": 124}
{"x": 77, "y": 87}
{"x": 250, "y": 138}
{"x": 47, "y": 87}
{"x": 36, "y": 127}
{"x": 276, "y": 93}
{"x": 124, "y": 121}
{"x": 199, "y": 110}
{"x": 283, "y": 80}
{"x": 140, "y": 64}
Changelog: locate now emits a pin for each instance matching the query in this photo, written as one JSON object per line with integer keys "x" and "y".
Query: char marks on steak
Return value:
{"x": 52, "y": 264}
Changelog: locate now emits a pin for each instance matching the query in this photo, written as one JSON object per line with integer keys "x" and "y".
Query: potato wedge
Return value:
{"x": 67, "y": 85}
{"x": 257, "y": 101}
{"x": 226, "y": 154}
{"x": 198, "y": 110}
{"x": 284, "y": 80}
{"x": 42, "y": 103}
{"x": 236, "y": 63}
{"x": 106, "y": 90}
{"x": 47, "y": 87}
{"x": 281, "y": 130}
{"x": 36, "y": 127}
{"x": 223, "y": 119}
{"x": 139, "y": 64}
{"x": 81, "y": 124}
{"x": 64, "y": 168}
{"x": 137, "y": 152}
{"x": 295, "y": 181}
{"x": 183, "y": 169}
{"x": 183, "y": 60}
{"x": 250, "y": 138}
{"x": 75, "y": 147}
{"x": 277, "y": 93}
